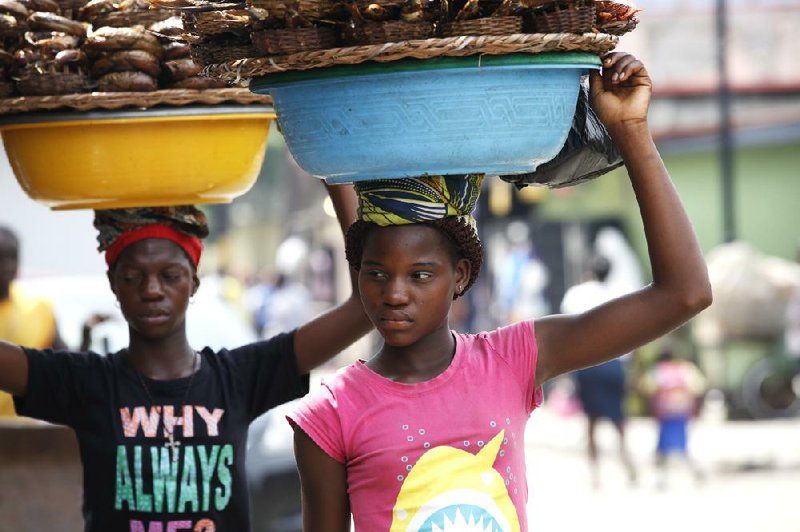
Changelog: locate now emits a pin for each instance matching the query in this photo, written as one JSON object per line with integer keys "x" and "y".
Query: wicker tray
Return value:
{"x": 216, "y": 22}
{"x": 119, "y": 100}
{"x": 242, "y": 70}
{"x": 576, "y": 17}
{"x": 6, "y": 89}
{"x": 210, "y": 53}
{"x": 484, "y": 26}
{"x": 393, "y": 31}
{"x": 292, "y": 41}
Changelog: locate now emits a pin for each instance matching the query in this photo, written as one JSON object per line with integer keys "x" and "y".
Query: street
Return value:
{"x": 752, "y": 478}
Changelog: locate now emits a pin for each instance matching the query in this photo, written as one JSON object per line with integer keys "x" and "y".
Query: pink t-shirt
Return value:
{"x": 448, "y": 452}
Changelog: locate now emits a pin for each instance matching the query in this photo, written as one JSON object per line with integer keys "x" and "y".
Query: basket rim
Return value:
{"x": 118, "y": 100}
{"x": 550, "y": 59}
{"x": 242, "y": 70}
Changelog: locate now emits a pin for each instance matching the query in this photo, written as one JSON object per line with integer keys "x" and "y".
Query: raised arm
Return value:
{"x": 328, "y": 334}
{"x": 13, "y": 369}
{"x": 680, "y": 287}
{"x": 326, "y": 506}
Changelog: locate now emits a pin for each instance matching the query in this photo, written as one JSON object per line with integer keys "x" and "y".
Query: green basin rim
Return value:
{"x": 585, "y": 59}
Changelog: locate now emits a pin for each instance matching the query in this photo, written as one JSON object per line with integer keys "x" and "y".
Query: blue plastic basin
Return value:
{"x": 489, "y": 114}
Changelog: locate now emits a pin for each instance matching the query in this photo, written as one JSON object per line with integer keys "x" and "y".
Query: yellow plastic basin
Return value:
{"x": 102, "y": 160}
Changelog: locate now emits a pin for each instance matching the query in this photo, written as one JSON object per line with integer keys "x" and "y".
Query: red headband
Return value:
{"x": 190, "y": 244}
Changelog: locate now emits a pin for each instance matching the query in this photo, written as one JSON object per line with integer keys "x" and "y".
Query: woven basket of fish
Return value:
{"x": 503, "y": 25}
{"x": 222, "y": 51}
{"x": 393, "y": 31}
{"x": 217, "y": 22}
{"x": 568, "y": 17}
{"x": 293, "y": 40}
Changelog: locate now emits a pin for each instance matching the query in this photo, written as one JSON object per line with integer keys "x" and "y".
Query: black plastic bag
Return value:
{"x": 587, "y": 153}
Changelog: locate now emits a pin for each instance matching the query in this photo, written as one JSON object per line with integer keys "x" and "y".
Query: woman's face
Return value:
{"x": 407, "y": 281}
{"x": 153, "y": 280}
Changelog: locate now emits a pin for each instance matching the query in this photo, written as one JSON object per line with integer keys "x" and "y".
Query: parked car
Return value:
{"x": 211, "y": 321}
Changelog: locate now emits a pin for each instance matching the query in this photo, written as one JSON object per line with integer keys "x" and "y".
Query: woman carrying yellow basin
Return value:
{"x": 162, "y": 426}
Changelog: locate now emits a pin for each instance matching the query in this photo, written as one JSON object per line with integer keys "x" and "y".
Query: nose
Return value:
{"x": 151, "y": 287}
{"x": 396, "y": 292}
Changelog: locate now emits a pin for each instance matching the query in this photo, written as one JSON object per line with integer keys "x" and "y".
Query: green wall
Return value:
{"x": 767, "y": 198}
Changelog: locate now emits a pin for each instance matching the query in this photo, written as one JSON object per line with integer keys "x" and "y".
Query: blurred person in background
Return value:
{"x": 602, "y": 388}
{"x": 287, "y": 306}
{"x": 675, "y": 387}
{"x": 24, "y": 319}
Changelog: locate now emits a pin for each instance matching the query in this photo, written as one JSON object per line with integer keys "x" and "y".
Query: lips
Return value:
{"x": 154, "y": 317}
{"x": 395, "y": 322}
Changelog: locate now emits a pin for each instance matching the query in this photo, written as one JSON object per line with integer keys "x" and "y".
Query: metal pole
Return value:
{"x": 725, "y": 136}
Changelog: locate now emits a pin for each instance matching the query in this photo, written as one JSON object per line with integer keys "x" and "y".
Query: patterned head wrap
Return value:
{"x": 418, "y": 199}
{"x": 119, "y": 228}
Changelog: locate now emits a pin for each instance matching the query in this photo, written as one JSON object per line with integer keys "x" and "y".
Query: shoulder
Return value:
{"x": 347, "y": 386}
{"x": 516, "y": 335}
{"x": 345, "y": 379}
{"x": 74, "y": 358}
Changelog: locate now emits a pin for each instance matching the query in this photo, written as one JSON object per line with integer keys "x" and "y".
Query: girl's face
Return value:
{"x": 407, "y": 281}
{"x": 153, "y": 280}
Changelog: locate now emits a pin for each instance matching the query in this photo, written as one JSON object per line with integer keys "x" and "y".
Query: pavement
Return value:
{"x": 751, "y": 477}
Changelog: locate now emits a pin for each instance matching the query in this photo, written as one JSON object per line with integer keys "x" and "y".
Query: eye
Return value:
{"x": 171, "y": 275}
{"x": 376, "y": 274}
{"x": 130, "y": 277}
{"x": 422, "y": 275}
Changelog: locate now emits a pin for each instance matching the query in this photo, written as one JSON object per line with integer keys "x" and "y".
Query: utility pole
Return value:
{"x": 725, "y": 134}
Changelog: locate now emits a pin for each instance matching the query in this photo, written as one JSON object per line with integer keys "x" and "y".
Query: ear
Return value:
{"x": 463, "y": 274}
{"x": 110, "y": 277}
{"x": 195, "y": 282}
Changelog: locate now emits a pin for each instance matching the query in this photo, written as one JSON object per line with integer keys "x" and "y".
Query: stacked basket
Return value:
{"x": 301, "y": 34}
{"x": 101, "y": 106}
{"x": 103, "y": 54}
{"x": 358, "y": 86}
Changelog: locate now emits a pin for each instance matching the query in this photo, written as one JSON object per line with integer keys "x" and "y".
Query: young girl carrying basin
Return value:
{"x": 427, "y": 434}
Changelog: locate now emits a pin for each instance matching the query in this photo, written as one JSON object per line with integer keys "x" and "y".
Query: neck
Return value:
{"x": 418, "y": 362}
{"x": 162, "y": 359}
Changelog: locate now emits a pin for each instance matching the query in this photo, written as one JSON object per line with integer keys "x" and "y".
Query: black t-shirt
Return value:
{"x": 131, "y": 482}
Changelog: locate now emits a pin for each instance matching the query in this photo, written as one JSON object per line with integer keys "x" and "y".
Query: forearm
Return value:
{"x": 676, "y": 259}
{"x": 330, "y": 333}
{"x": 345, "y": 204}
